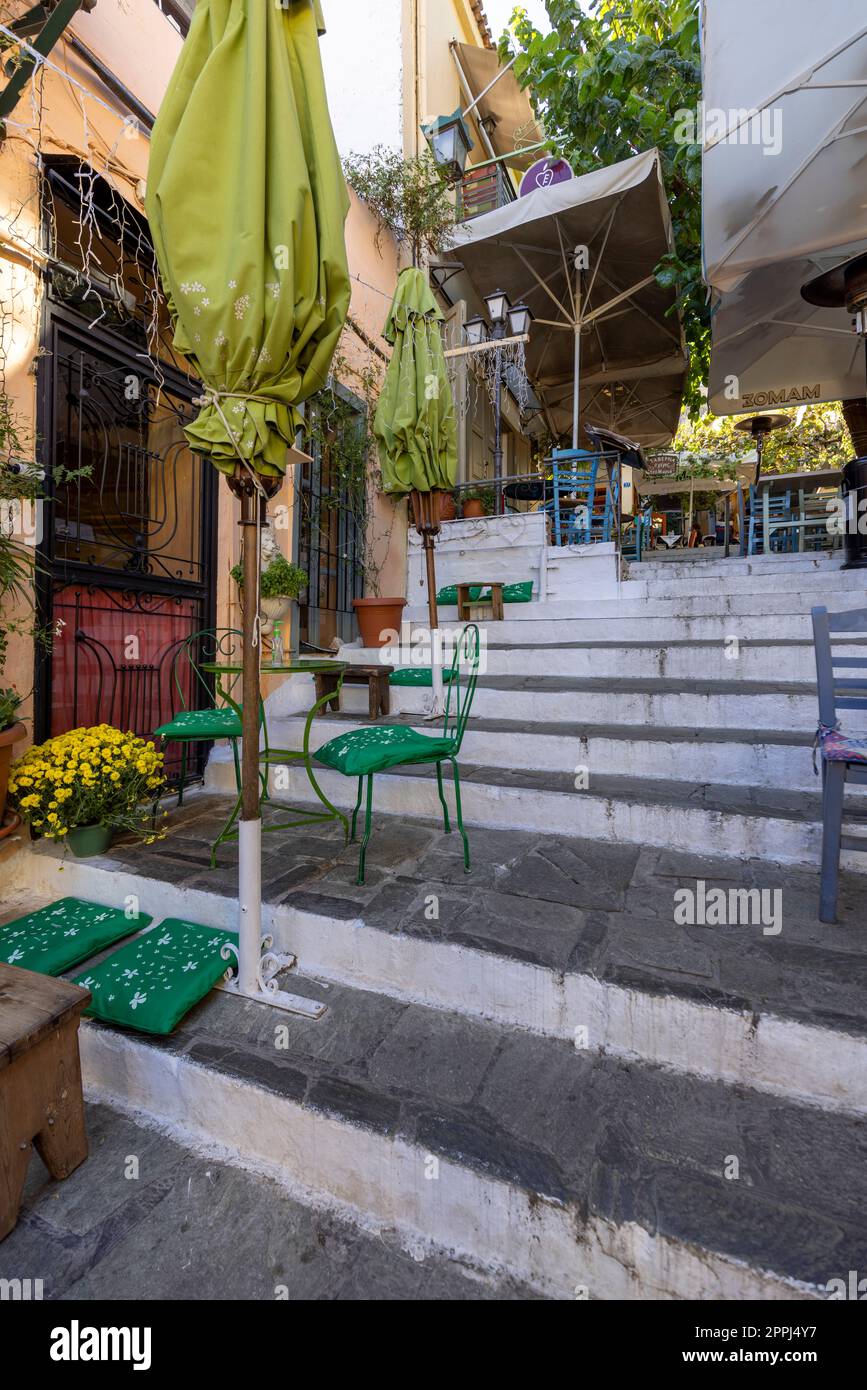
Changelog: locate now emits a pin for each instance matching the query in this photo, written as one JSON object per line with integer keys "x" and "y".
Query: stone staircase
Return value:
{"x": 533, "y": 1070}
{"x": 681, "y": 715}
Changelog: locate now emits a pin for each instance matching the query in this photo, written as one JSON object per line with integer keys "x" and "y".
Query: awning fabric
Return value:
{"x": 415, "y": 414}
{"x": 771, "y": 348}
{"x": 506, "y": 109}
{"x": 633, "y": 360}
{"x": 247, "y": 202}
{"x": 773, "y": 220}
{"x": 791, "y": 64}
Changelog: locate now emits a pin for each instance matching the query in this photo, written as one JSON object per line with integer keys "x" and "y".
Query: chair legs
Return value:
{"x": 368, "y": 810}
{"x": 355, "y": 809}
{"x": 446, "y": 822}
{"x": 183, "y": 774}
{"x": 367, "y": 813}
{"x": 460, "y": 814}
{"x": 834, "y": 783}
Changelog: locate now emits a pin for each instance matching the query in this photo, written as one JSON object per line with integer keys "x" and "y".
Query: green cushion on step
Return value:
{"x": 381, "y": 746}
{"x": 512, "y": 593}
{"x": 55, "y": 938}
{"x": 449, "y": 595}
{"x": 151, "y": 982}
{"x": 201, "y": 723}
{"x": 416, "y": 675}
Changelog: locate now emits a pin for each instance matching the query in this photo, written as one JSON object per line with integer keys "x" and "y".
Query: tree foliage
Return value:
{"x": 815, "y": 437}
{"x": 609, "y": 82}
{"x": 408, "y": 197}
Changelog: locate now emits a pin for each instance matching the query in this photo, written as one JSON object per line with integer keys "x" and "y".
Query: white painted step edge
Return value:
{"x": 815, "y": 1066}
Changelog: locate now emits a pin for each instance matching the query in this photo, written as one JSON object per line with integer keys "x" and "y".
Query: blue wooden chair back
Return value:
{"x": 574, "y": 476}
{"x": 779, "y": 508}
{"x": 836, "y": 690}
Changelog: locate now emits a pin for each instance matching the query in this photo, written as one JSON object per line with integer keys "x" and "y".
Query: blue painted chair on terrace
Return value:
{"x": 779, "y": 509}
{"x": 636, "y": 537}
{"x": 574, "y": 490}
{"x": 844, "y": 757}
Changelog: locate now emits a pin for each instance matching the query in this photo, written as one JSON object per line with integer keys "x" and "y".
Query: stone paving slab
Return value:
{"x": 190, "y": 1228}
{"x": 615, "y": 1140}
{"x": 566, "y": 904}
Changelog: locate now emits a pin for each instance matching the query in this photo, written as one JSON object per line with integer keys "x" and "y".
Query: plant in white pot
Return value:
{"x": 280, "y": 584}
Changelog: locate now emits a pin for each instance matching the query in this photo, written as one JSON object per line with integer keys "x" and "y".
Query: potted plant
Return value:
{"x": 448, "y": 506}
{"x": 279, "y": 586}
{"x": 11, "y": 730}
{"x": 83, "y": 786}
{"x": 477, "y": 501}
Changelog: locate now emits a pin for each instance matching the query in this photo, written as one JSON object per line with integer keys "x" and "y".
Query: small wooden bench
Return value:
{"x": 465, "y": 602}
{"x": 41, "y": 1102}
{"x": 374, "y": 677}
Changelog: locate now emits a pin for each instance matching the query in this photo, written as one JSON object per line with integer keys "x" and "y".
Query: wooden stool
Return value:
{"x": 465, "y": 602}
{"x": 40, "y": 1081}
{"x": 374, "y": 677}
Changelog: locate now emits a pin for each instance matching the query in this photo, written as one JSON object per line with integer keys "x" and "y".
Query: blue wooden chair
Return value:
{"x": 779, "y": 509}
{"x": 636, "y": 537}
{"x": 844, "y": 758}
{"x": 364, "y": 752}
{"x": 603, "y": 523}
{"x": 574, "y": 477}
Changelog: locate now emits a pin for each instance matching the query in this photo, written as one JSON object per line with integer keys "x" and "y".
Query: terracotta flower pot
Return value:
{"x": 448, "y": 510}
{"x": 378, "y": 618}
{"x": 7, "y": 738}
{"x": 474, "y": 507}
{"x": 87, "y": 840}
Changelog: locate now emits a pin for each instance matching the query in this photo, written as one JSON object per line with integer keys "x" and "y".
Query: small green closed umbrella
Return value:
{"x": 247, "y": 202}
{"x": 415, "y": 416}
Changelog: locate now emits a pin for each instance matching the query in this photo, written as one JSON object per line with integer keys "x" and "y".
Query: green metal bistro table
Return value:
{"x": 283, "y": 757}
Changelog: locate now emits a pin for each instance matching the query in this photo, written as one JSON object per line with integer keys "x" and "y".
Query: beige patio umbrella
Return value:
{"x": 606, "y": 347}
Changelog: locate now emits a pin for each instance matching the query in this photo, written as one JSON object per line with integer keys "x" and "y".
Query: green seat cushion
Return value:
{"x": 201, "y": 723}
{"x": 416, "y": 675}
{"x": 151, "y": 982}
{"x": 512, "y": 593}
{"x": 382, "y": 746}
{"x": 449, "y": 595}
{"x": 518, "y": 593}
{"x": 55, "y": 938}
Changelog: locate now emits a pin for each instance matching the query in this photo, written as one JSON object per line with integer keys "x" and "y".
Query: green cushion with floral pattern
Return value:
{"x": 201, "y": 723}
{"x": 151, "y": 982}
{"x": 384, "y": 745}
{"x": 55, "y": 938}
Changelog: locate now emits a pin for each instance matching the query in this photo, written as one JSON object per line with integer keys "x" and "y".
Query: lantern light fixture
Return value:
{"x": 520, "y": 319}
{"x": 450, "y": 141}
{"x": 498, "y": 306}
{"x": 476, "y": 331}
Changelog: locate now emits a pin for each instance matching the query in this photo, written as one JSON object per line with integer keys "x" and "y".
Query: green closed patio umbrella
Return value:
{"x": 247, "y": 202}
{"x": 415, "y": 423}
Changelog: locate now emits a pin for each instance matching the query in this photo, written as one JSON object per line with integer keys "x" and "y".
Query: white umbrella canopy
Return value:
{"x": 630, "y": 345}
{"x": 771, "y": 348}
{"x": 784, "y": 132}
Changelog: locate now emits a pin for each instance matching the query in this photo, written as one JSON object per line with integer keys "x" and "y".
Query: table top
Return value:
{"x": 285, "y": 668}
{"x": 31, "y": 1005}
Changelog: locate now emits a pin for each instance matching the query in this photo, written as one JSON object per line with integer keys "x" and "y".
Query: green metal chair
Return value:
{"x": 364, "y": 752}
{"x": 206, "y": 725}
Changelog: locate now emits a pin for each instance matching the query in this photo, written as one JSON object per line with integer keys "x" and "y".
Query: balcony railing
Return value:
{"x": 482, "y": 189}
{"x": 179, "y": 12}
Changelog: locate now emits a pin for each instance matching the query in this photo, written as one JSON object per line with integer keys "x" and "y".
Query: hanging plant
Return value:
{"x": 410, "y": 198}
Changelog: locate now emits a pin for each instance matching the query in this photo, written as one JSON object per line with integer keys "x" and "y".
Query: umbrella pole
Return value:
{"x": 258, "y": 965}
{"x": 425, "y": 511}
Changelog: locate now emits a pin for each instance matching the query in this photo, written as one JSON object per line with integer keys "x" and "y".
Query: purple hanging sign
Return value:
{"x": 544, "y": 173}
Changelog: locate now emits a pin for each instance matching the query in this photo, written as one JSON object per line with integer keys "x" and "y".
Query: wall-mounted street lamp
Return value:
{"x": 450, "y": 141}
{"x": 504, "y": 320}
